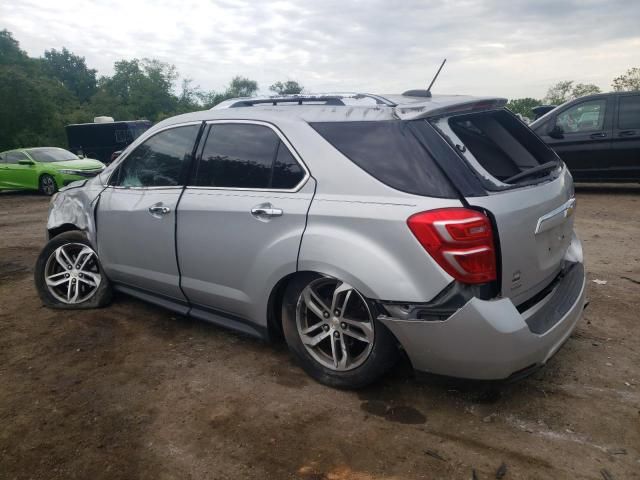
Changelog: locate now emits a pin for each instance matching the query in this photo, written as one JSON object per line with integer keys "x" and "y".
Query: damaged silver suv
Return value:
{"x": 354, "y": 225}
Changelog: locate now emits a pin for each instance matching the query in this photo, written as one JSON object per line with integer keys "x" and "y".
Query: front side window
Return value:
{"x": 237, "y": 155}
{"x": 584, "y": 117}
{"x": 287, "y": 173}
{"x": 15, "y": 157}
{"x": 159, "y": 161}
{"x": 629, "y": 112}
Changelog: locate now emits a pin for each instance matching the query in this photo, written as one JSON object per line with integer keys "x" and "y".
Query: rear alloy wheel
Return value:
{"x": 331, "y": 328}
{"x": 68, "y": 274}
{"x": 48, "y": 185}
{"x": 335, "y": 324}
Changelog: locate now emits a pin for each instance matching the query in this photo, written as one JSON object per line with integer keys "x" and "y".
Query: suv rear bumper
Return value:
{"x": 491, "y": 340}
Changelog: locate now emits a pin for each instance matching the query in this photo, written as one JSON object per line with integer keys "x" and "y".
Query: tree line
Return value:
{"x": 39, "y": 96}
{"x": 568, "y": 90}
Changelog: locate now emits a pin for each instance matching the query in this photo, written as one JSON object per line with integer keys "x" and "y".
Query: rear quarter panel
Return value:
{"x": 357, "y": 228}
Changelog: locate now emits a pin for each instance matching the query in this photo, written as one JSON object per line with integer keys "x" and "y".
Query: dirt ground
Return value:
{"x": 132, "y": 391}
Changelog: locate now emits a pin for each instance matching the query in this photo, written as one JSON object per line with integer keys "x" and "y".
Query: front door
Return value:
{"x": 583, "y": 137}
{"x": 240, "y": 220}
{"x": 136, "y": 213}
{"x": 16, "y": 175}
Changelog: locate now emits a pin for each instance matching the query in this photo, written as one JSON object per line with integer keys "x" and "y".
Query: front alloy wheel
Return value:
{"x": 48, "y": 185}
{"x": 72, "y": 274}
{"x": 68, "y": 274}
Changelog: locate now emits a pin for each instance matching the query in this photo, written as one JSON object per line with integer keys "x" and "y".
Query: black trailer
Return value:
{"x": 100, "y": 140}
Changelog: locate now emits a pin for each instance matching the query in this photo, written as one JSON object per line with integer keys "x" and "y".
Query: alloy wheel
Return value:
{"x": 72, "y": 273}
{"x": 48, "y": 185}
{"x": 335, "y": 324}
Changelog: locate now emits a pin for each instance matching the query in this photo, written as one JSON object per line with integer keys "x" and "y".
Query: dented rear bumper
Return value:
{"x": 491, "y": 340}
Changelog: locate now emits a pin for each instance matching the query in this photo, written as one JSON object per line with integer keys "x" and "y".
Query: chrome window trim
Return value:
{"x": 133, "y": 147}
{"x": 283, "y": 139}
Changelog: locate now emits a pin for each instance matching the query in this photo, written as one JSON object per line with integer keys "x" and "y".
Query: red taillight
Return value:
{"x": 460, "y": 240}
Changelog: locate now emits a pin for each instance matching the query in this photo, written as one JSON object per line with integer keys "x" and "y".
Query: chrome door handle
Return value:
{"x": 158, "y": 210}
{"x": 266, "y": 212}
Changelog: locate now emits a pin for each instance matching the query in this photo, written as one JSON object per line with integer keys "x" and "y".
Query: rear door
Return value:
{"x": 583, "y": 137}
{"x": 240, "y": 220}
{"x": 625, "y": 154}
{"x": 136, "y": 213}
{"x": 532, "y": 214}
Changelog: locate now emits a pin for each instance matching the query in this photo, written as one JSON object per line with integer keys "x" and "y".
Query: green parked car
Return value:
{"x": 44, "y": 168}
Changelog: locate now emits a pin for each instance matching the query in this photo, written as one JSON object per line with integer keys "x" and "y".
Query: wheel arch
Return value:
{"x": 65, "y": 227}
{"x": 42, "y": 173}
{"x": 274, "y": 304}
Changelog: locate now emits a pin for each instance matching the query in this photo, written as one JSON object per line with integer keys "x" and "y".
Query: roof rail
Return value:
{"x": 300, "y": 99}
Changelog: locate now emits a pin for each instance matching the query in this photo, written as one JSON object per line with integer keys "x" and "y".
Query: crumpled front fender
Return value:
{"x": 75, "y": 207}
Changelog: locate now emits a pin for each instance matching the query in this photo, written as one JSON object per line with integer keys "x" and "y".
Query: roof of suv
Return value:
{"x": 337, "y": 107}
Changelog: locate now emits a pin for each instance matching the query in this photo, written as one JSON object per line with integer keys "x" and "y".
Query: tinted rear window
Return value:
{"x": 388, "y": 151}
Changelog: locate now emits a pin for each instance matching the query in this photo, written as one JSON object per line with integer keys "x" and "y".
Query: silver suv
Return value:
{"x": 354, "y": 225}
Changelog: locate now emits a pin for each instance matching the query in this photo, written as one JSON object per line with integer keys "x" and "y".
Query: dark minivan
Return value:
{"x": 597, "y": 136}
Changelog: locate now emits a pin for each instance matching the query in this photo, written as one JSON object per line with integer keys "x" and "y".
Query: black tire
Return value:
{"x": 381, "y": 358}
{"x": 101, "y": 295}
{"x": 47, "y": 185}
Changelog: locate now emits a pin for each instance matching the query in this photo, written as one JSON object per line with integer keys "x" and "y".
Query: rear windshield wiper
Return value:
{"x": 545, "y": 167}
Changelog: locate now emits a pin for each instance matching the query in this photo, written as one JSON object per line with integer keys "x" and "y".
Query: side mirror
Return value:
{"x": 556, "y": 132}
{"x": 25, "y": 162}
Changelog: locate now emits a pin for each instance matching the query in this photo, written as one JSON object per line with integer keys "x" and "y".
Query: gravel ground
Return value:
{"x": 132, "y": 391}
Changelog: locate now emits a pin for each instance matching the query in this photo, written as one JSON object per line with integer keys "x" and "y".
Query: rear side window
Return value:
{"x": 389, "y": 152}
{"x": 501, "y": 145}
{"x": 629, "y": 112}
{"x": 238, "y": 155}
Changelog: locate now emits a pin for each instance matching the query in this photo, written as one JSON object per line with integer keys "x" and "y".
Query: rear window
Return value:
{"x": 388, "y": 151}
{"x": 498, "y": 144}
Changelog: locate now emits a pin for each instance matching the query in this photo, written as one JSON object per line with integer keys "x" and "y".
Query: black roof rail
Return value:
{"x": 275, "y": 101}
{"x": 326, "y": 99}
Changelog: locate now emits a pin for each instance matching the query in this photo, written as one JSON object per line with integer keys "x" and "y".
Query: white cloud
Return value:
{"x": 494, "y": 47}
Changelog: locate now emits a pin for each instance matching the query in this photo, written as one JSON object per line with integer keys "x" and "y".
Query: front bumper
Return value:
{"x": 491, "y": 340}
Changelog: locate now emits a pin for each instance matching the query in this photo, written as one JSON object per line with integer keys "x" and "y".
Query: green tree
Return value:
{"x": 241, "y": 87}
{"x": 143, "y": 87}
{"x": 42, "y": 95}
{"x": 71, "y": 70}
{"x": 290, "y": 87}
{"x": 568, "y": 90}
{"x": 583, "y": 89}
{"x": 33, "y": 109}
{"x": 10, "y": 52}
{"x": 559, "y": 93}
{"x": 524, "y": 106}
{"x": 627, "y": 82}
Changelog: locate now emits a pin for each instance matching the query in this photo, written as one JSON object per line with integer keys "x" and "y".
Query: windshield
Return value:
{"x": 48, "y": 155}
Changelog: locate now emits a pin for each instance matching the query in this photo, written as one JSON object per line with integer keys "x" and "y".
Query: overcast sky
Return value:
{"x": 494, "y": 47}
